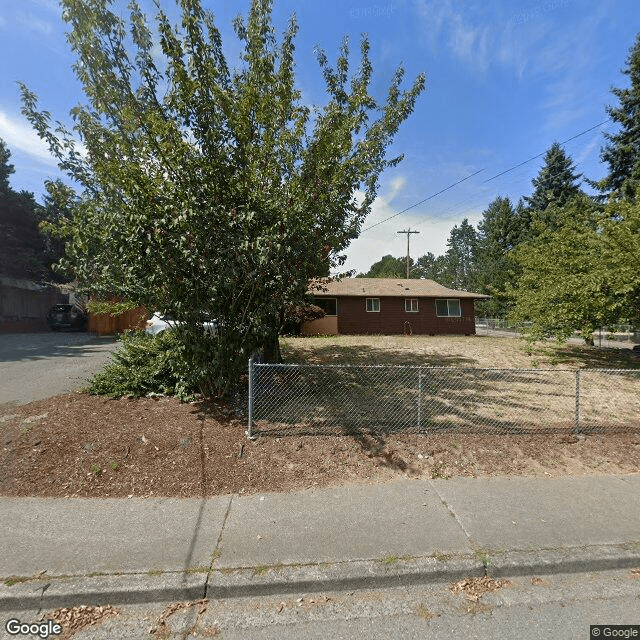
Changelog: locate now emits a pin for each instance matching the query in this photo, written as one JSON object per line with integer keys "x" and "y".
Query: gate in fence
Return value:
{"x": 324, "y": 399}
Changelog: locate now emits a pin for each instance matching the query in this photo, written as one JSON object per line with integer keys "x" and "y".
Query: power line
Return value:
{"x": 395, "y": 215}
{"x": 541, "y": 154}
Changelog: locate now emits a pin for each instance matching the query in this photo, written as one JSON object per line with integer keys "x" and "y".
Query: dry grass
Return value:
{"x": 453, "y": 351}
{"x": 502, "y": 385}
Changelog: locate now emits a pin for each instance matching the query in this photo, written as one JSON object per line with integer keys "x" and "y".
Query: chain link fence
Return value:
{"x": 620, "y": 335}
{"x": 339, "y": 399}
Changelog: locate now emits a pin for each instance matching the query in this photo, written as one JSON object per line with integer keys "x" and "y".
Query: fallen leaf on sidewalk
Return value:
{"x": 74, "y": 619}
{"x": 635, "y": 573}
{"x": 475, "y": 588}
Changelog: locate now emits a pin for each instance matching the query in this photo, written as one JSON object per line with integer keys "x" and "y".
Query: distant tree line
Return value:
{"x": 26, "y": 251}
{"x": 559, "y": 258}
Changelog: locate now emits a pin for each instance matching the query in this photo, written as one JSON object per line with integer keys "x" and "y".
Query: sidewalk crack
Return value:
{"x": 452, "y": 512}
{"x": 216, "y": 552}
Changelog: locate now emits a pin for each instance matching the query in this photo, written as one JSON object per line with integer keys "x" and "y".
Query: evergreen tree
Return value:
{"x": 21, "y": 243}
{"x": 6, "y": 169}
{"x": 459, "y": 270}
{"x": 502, "y": 228}
{"x": 622, "y": 153}
{"x": 556, "y": 183}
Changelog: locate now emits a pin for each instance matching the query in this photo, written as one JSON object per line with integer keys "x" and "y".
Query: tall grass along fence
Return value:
{"x": 336, "y": 399}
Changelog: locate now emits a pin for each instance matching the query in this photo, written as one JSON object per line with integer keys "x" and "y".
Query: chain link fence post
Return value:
{"x": 250, "y": 408}
{"x": 577, "y": 427}
{"x": 419, "y": 398}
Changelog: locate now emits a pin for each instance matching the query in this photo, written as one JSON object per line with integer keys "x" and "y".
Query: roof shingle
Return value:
{"x": 390, "y": 287}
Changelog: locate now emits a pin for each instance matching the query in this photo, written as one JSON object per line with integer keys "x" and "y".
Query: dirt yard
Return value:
{"x": 78, "y": 445}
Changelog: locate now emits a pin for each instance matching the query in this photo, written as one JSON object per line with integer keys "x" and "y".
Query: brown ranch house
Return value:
{"x": 392, "y": 306}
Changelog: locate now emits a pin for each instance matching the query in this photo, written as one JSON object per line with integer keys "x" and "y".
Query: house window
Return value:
{"x": 373, "y": 304}
{"x": 411, "y": 305}
{"x": 328, "y": 305}
{"x": 448, "y": 308}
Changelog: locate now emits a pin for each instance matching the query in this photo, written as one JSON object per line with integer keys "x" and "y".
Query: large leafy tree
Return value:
{"x": 209, "y": 192}
{"x": 622, "y": 152}
{"x": 387, "y": 267}
{"x": 583, "y": 274}
{"x": 556, "y": 183}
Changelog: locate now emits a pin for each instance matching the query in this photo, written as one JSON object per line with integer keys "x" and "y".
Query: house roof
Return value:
{"x": 390, "y": 287}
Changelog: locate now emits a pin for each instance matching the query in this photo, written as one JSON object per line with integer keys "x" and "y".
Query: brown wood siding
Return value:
{"x": 392, "y": 319}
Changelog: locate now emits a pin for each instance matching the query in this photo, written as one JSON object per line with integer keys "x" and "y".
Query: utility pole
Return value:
{"x": 409, "y": 232}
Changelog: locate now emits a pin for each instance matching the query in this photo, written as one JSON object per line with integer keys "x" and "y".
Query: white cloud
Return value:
{"x": 384, "y": 238}
{"x": 21, "y": 136}
{"x": 32, "y": 22}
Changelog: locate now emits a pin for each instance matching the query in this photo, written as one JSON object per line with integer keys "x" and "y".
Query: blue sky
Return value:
{"x": 504, "y": 81}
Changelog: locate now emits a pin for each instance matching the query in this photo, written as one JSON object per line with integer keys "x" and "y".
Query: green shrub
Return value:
{"x": 147, "y": 364}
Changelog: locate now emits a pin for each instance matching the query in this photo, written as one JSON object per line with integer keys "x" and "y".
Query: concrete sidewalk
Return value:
{"x": 117, "y": 551}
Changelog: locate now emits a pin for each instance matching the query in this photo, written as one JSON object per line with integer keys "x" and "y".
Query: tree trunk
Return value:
{"x": 272, "y": 353}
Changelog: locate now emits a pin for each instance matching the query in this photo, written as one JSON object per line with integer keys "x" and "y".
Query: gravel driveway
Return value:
{"x": 34, "y": 366}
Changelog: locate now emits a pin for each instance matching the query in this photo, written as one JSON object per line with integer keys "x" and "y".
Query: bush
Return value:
{"x": 147, "y": 364}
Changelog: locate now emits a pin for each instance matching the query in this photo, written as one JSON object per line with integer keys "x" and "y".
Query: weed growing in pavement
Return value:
{"x": 15, "y": 580}
{"x": 424, "y": 613}
{"x": 261, "y": 569}
{"x": 481, "y": 556}
{"x": 113, "y": 464}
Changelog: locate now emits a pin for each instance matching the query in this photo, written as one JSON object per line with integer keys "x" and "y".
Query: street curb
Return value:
{"x": 268, "y": 580}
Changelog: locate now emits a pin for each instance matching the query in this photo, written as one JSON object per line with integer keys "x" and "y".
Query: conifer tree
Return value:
{"x": 622, "y": 153}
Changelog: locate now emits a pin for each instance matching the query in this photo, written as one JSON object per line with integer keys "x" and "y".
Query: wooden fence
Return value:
{"x": 105, "y": 324}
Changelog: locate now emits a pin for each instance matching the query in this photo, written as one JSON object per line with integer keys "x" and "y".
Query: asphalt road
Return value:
{"x": 34, "y": 366}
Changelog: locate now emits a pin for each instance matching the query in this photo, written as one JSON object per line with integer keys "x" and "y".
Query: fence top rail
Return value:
{"x": 432, "y": 368}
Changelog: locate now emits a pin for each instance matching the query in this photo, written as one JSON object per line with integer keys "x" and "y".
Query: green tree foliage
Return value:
{"x": 388, "y": 267}
{"x": 556, "y": 183}
{"x": 582, "y": 275}
{"x": 22, "y": 253}
{"x": 209, "y": 192}
{"x": 459, "y": 263}
{"x": 502, "y": 228}
{"x": 6, "y": 169}
{"x": 622, "y": 153}
{"x": 55, "y": 211}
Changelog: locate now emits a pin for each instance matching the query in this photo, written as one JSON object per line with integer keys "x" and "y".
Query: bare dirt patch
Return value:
{"x": 79, "y": 445}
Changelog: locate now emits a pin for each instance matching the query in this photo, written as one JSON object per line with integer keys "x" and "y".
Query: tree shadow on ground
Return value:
{"x": 589, "y": 357}
{"x": 369, "y": 355}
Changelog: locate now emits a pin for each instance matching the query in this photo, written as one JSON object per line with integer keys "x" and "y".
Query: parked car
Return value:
{"x": 159, "y": 323}
{"x": 67, "y": 316}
